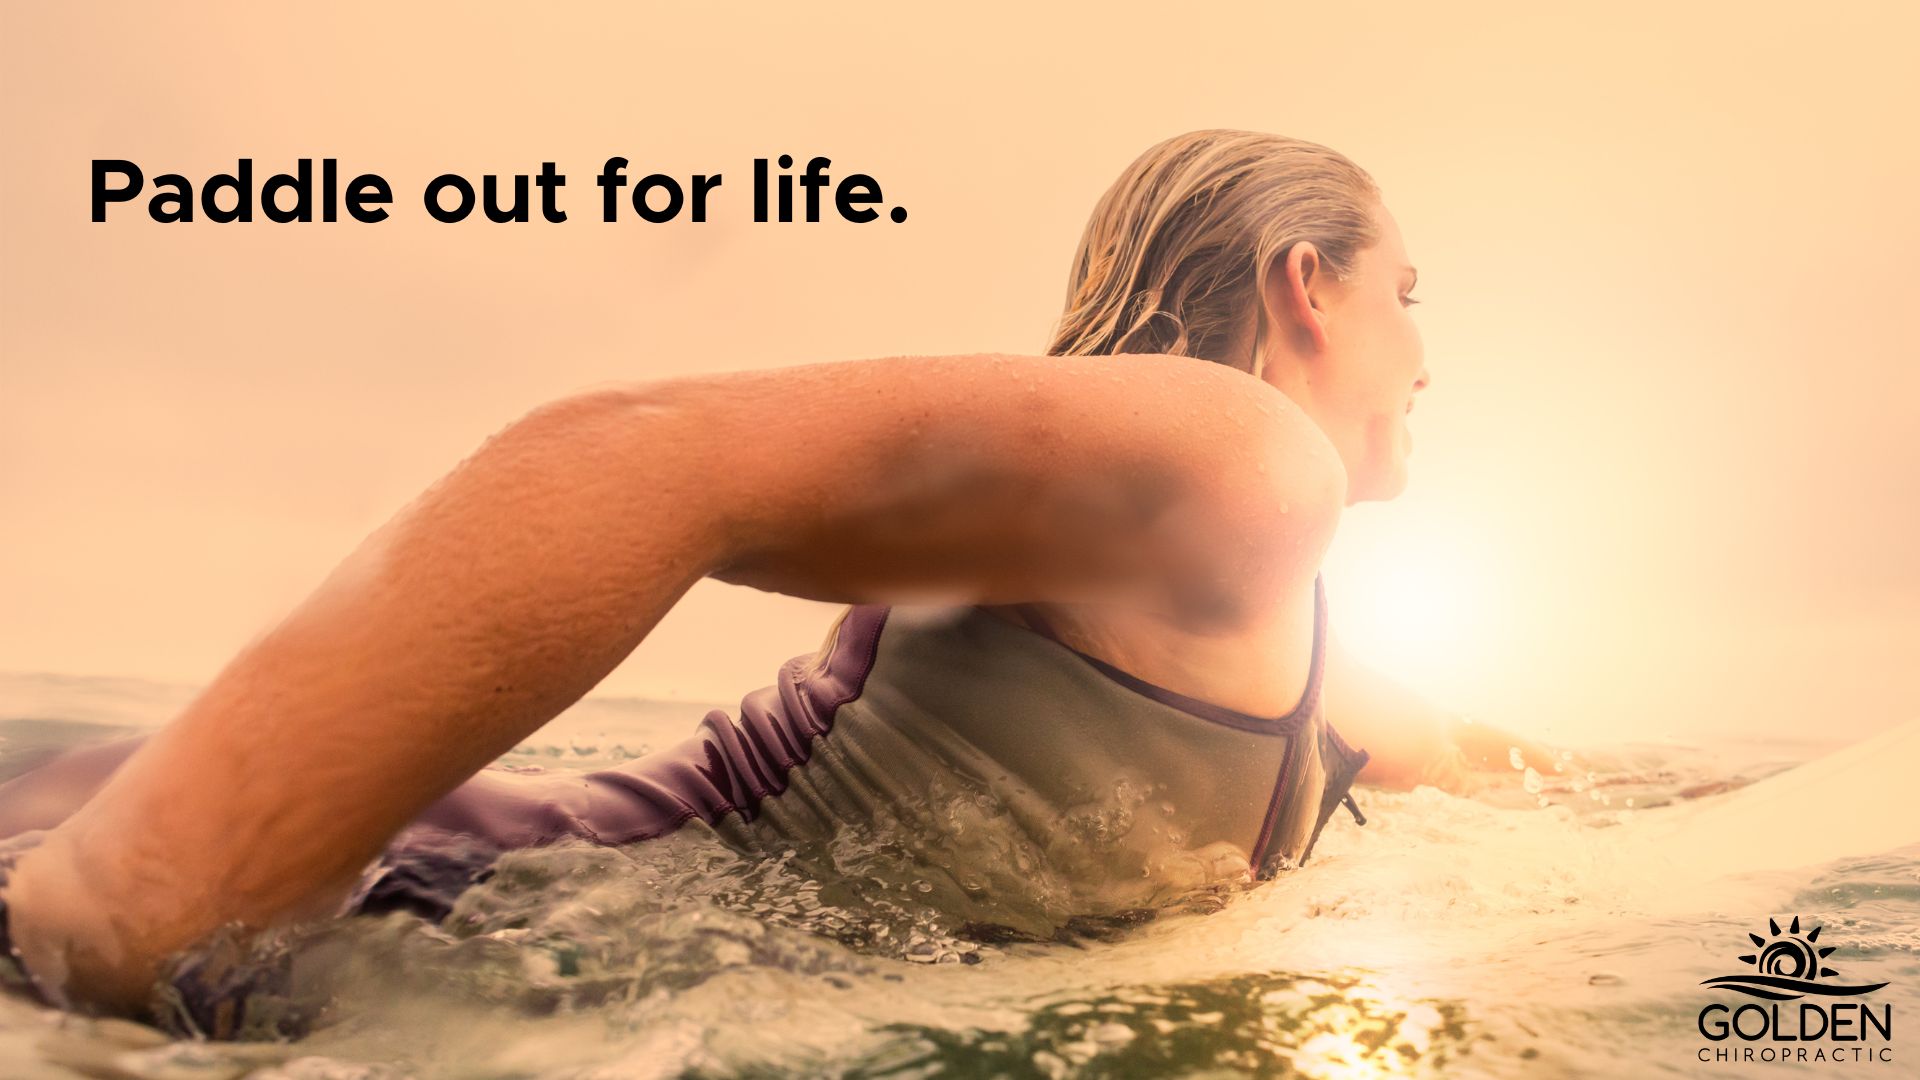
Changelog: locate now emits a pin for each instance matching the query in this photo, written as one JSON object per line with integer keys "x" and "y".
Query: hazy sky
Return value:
{"x": 1665, "y": 479}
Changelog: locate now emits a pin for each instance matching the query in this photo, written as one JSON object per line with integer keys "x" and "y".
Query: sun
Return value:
{"x": 1425, "y": 604}
{"x": 1790, "y": 955}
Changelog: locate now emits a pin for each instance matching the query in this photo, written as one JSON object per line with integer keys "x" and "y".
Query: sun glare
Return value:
{"x": 1419, "y": 599}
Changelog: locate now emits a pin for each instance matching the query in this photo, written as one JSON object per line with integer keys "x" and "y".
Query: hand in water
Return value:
{"x": 1491, "y": 749}
{"x": 1463, "y": 757}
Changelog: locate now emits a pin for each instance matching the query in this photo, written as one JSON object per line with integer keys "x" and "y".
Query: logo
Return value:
{"x": 1789, "y": 966}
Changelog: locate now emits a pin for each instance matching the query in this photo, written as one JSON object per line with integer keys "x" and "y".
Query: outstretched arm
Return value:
{"x": 1410, "y": 740}
{"x": 513, "y": 585}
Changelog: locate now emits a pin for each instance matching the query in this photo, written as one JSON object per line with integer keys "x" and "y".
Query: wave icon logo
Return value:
{"x": 1788, "y": 967}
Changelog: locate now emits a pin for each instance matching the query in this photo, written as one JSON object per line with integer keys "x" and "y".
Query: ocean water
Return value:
{"x": 1559, "y": 924}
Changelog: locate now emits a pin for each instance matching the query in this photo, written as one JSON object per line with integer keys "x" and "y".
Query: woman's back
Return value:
{"x": 1029, "y": 782}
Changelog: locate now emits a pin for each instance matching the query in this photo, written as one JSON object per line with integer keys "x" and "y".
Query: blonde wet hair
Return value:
{"x": 1177, "y": 252}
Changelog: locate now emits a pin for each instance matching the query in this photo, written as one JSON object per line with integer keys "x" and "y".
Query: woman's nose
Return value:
{"x": 1421, "y": 383}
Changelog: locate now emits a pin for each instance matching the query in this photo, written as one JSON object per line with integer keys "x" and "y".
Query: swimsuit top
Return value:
{"x": 1014, "y": 766}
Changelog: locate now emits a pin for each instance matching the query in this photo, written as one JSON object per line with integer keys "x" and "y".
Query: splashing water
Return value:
{"x": 1450, "y": 937}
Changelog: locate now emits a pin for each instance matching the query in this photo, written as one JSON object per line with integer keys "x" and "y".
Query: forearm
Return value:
{"x": 1411, "y": 740}
{"x": 1407, "y": 737}
{"x": 497, "y": 598}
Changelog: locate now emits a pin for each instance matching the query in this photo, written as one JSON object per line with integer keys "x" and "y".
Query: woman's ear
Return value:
{"x": 1294, "y": 286}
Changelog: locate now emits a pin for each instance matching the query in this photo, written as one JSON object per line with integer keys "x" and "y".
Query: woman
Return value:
{"x": 1124, "y": 538}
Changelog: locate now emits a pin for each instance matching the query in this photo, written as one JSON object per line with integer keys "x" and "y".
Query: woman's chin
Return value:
{"x": 1381, "y": 485}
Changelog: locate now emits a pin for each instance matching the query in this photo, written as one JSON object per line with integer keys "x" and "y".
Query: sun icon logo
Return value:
{"x": 1792, "y": 956}
{"x": 1788, "y": 966}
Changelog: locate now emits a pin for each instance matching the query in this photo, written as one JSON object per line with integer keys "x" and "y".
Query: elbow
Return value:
{"x": 603, "y": 412}
{"x": 619, "y": 470}
{"x": 629, "y": 431}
